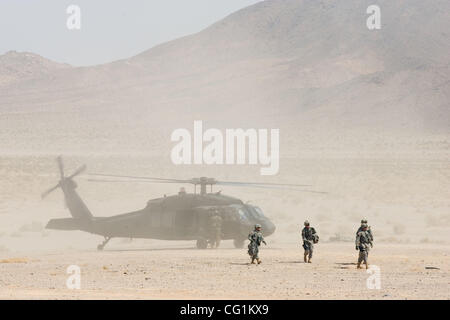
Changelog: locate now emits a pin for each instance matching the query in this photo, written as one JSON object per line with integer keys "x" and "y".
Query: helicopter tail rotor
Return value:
{"x": 63, "y": 179}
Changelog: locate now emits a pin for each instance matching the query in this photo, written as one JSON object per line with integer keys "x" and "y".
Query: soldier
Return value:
{"x": 256, "y": 238}
{"x": 309, "y": 237}
{"x": 363, "y": 244}
{"x": 182, "y": 191}
{"x": 215, "y": 230}
{"x": 364, "y": 221}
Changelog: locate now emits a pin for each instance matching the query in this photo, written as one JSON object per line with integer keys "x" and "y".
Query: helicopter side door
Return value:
{"x": 160, "y": 220}
{"x": 176, "y": 218}
{"x": 167, "y": 218}
{"x": 155, "y": 213}
{"x": 185, "y": 222}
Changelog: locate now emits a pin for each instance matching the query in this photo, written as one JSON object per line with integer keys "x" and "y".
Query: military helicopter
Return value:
{"x": 178, "y": 217}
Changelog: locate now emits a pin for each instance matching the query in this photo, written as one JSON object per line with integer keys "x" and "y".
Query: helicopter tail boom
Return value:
{"x": 68, "y": 224}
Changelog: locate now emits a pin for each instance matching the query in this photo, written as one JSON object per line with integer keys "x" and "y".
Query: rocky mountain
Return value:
{"x": 309, "y": 67}
{"x": 22, "y": 66}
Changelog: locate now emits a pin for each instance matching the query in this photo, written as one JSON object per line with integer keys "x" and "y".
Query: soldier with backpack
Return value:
{"x": 310, "y": 237}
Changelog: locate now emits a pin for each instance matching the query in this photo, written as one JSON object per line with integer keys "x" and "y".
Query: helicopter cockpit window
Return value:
{"x": 254, "y": 212}
{"x": 241, "y": 211}
{"x": 259, "y": 211}
{"x": 242, "y": 214}
{"x": 250, "y": 213}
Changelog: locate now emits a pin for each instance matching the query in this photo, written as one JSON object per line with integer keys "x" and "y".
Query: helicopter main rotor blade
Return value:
{"x": 232, "y": 185}
{"x": 193, "y": 181}
{"x": 281, "y": 187}
{"x": 143, "y": 178}
{"x": 78, "y": 171}
{"x": 200, "y": 181}
{"x": 128, "y": 181}
{"x": 237, "y": 183}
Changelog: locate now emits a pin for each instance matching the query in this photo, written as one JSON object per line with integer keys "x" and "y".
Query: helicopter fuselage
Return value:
{"x": 186, "y": 216}
{"x": 178, "y": 217}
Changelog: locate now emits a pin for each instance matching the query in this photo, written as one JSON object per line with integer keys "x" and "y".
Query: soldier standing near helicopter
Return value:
{"x": 363, "y": 243}
{"x": 215, "y": 230}
{"x": 309, "y": 237}
{"x": 256, "y": 238}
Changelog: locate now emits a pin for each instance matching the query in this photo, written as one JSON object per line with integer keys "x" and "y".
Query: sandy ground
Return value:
{"x": 405, "y": 200}
{"x": 181, "y": 272}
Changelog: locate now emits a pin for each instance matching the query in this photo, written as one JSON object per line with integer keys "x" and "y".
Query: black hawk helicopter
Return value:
{"x": 178, "y": 217}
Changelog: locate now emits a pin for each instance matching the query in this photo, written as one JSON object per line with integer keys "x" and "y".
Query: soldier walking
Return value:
{"x": 369, "y": 230}
{"x": 309, "y": 237}
{"x": 363, "y": 244}
{"x": 256, "y": 238}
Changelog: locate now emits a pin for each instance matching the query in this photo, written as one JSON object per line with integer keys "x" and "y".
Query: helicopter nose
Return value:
{"x": 269, "y": 228}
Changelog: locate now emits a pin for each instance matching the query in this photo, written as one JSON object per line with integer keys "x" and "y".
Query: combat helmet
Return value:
{"x": 257, "y": 226}
{"x": 306, "y": 223}
{"x": 363, "y": 221}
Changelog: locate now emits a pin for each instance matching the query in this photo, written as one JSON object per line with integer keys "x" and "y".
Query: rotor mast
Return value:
{"x": 203, "y": 182}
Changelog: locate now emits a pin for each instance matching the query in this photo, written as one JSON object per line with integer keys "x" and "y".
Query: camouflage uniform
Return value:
{"x": 215, "y": 231}
{"x": 363, "y": 244}
{"x": 256, "y": 238}
{"x": 308, "y": 242}
{"x": 368, "y": 229}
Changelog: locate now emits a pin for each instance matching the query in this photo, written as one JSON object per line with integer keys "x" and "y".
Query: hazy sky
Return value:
{"x": 110, "y": 29}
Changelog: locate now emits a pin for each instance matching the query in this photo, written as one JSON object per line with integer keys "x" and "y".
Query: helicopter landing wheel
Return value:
{"x": 103, "y": 244}
{"x": 202, "y": 243}
{"x": 239, "y": 243}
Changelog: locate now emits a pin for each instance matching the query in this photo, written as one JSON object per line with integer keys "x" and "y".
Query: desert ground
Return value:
{"x": 182, "y": 272}
{"x": 405, "y": 200}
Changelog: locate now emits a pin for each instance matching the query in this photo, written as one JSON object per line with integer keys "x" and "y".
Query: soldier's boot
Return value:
{"x": 359, "y": 265}
{"x": 309, "y": 260}
{"x": 253, "y": 260}
{"x": 367, "y": 265}
{"x": 258, "y": 260}
{"x": 305, "y": 256}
